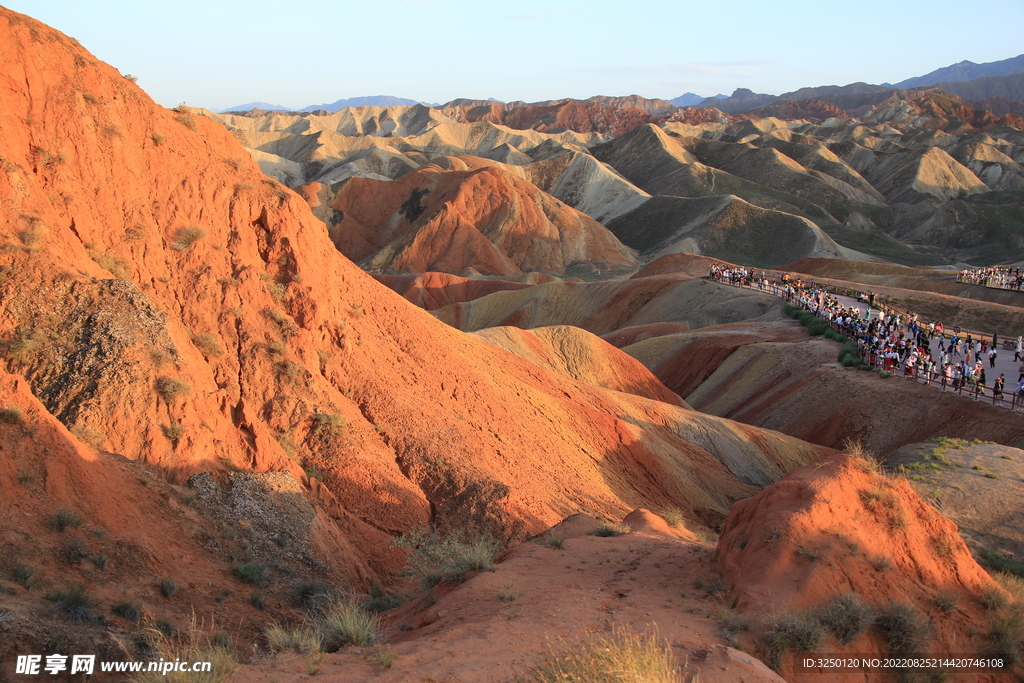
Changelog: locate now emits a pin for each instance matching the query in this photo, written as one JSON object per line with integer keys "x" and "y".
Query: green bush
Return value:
{"x": 903, "y": 627}
{"x": 997, "y": 561}
{"x": 849, "y": 350}
{"x": 62, "y": 519}
{"x": 605, "y": 529}
{"x": 251, "y": 572}
{"x": 846, "y": 617}
{"x": 73, "y": 603}
{"x": 434, "y": 559}
{"x": 167, "y": 588}
{"x": 796, "y": 631}
{"x": 380, "y": 600}
{"x": 313, "y": 594}
{"x": 127, "y": 610}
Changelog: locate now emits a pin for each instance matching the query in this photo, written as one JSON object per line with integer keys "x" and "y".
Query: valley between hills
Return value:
{"x": 414, "y": 393}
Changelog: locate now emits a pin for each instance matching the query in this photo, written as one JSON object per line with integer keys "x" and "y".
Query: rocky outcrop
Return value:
{"x": 836, "y": 531}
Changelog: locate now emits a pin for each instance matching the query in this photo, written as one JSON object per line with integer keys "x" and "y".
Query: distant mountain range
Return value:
{"x": 265, "y": 106}
{"x": 992, "y": 83}
{"x": 965, "y": 71}
{"x": 370, "y": 101}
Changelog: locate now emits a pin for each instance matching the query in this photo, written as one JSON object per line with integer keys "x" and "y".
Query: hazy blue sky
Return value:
{"x": 217, "y": 54}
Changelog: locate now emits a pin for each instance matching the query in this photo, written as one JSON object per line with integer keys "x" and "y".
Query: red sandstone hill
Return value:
{"x": 582, "y": 117}
{"x": 179, "y": 313}
{"x": 941, "y": 111}
{"x": 837, "y": 531}
{"x": 812, "y": 110}
{"x": 486, "y": 219}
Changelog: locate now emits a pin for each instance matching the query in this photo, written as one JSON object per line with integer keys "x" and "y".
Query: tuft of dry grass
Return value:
{"x": 11, "y": 415}
{"x": 622, "y": 657}
{"x": 796, "y": 631}
{"x": 674, "y": 517}
{"x": 553, "y": 541}
{"x": 194, "y": 644}
{"x": 846, "y": 617}
{"x": 184, "y": 238}
{"x": 207, "y": 343}
{"x": 903, "y": 627}
{"x": 344, "y": 622}
{"x": 1012, "y": 584}
{"x": 866, "y": 460}
{"x": 302, "y": 639}
{"x": 171, "y": 390}
{"x": 187, "y": 121}
{"x": 605, "y": 528}
{"x": 339, "y": 623}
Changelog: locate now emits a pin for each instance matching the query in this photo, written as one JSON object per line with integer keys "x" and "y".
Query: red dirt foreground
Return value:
{"x": 837, "y": 545}
{"x": 542, "y": 599}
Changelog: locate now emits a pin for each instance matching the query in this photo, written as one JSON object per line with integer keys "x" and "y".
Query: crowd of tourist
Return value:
{"x": 747, "y": 277}
{"x": 900, "y": 342}
{"x": 997, "y": 277}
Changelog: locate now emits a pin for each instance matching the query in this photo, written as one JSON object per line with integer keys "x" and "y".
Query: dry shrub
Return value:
{"x": 796, "y": 631}
{"x": 184, "y": 238}
{"x": 171, "y": 389}
{"x": 673, "y": 516}
{"x": 622, "y": 657}
{"x": 195, "y": 644}
{"x": 207, "y": 343}
{"x": 303, "y": 639}
{"x": 866, "y": 460}
{"x": 846, "y": 617}
{"x": 904, "y": 628}
{"x": 434, "y": 559}
{"x": 605, "y": 528}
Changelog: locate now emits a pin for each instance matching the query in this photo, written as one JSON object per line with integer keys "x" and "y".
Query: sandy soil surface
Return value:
{"x": 642, "y": 580}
